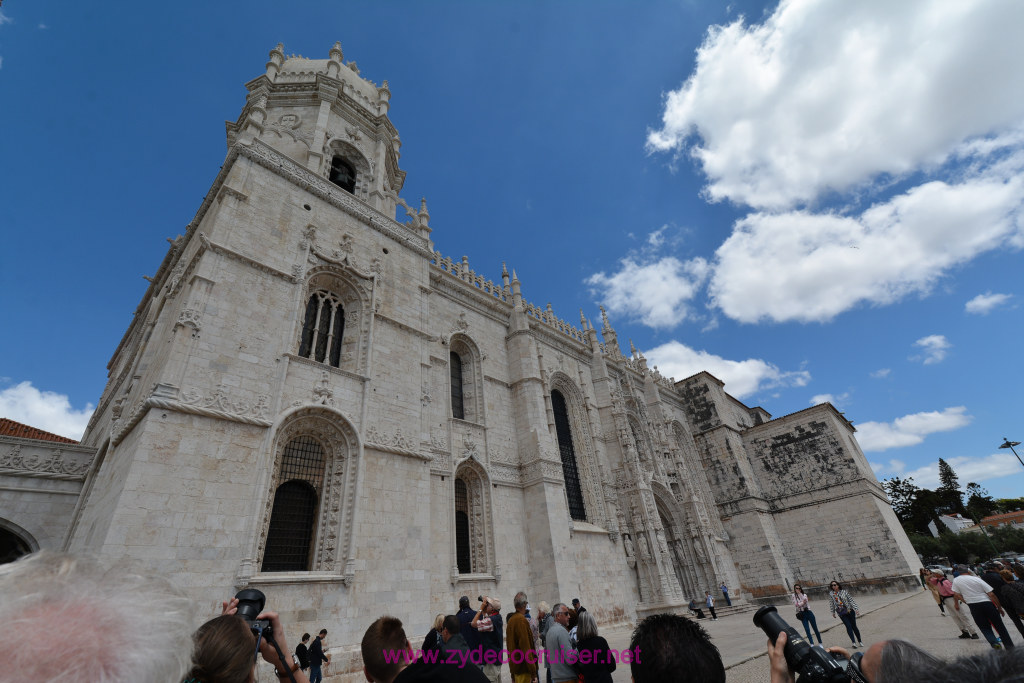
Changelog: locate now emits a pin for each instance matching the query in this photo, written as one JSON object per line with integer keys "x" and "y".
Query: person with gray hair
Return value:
{"x": 992, "y": 667}
{"x": 69, "y": 618}
{"x": 561, "y": 655}
{"x": 596, "y": 662}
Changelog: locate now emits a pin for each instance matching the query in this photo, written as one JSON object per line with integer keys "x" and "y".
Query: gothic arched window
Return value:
{"x": 323, "y": 328}
{"x": 343, "y": 174}
{"x": 458, "y": 404}
{"x": 293, "y": 518}
{"x": 573, "y": 491}
{"x": 463, "y": 554}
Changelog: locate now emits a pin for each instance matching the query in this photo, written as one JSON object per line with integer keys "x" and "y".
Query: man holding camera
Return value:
{"x": 317, "y": 658}
{"x": 488, "y": 625}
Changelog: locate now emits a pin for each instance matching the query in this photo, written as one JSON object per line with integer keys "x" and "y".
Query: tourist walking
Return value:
{"x": 725, "y": 594}
{"x": 945, "y": 589}
{"x": 596, "y": 666}
{"x": 845, "y": 607}
{"x": 317, "y": 658}
{"x": 984, "y": 606}
{"x": 709, "y": 602}
{"x": 930, "y": 585}
{"x": 804, "y": 613}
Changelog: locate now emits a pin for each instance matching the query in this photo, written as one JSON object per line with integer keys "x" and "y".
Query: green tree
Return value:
{"x": 902, "y": 493}
{"x": 949, "y": 488}
{"x": 1008, "y": 504}
{"x": 979, "y": 503}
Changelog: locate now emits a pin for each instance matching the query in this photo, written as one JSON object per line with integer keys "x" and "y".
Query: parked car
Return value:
{"x": 939, "y": 568}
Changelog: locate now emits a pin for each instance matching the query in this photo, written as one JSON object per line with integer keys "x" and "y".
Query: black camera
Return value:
{"x": 250, "y": 606}
{"x": 811, "y": 664}
{"x": 479, "y": 598}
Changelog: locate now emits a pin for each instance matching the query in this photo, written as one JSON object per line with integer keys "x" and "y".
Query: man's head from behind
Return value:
{"x": 381, "y": 642}
{"x": 520, "y": 601}
{"x": 70, "y": 618}
{"x": 673, "y": 648}
{"x": 449, "y": 627}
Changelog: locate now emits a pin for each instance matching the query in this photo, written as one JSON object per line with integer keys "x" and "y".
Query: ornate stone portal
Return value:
{"x": 314, "y": 401}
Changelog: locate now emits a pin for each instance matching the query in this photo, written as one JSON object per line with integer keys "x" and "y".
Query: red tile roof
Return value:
{"x": 11, "y": 428}
{"x": 1004, "y": 517}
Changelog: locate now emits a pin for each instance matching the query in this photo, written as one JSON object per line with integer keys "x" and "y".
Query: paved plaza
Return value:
{"x": 910, "y": 616}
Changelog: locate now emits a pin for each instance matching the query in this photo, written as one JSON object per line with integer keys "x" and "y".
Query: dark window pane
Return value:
{"x": 322, "y": 328}
{"x": 306, "y": 342}
{"x": 293, "y": 517}
{"x": 343, "y": 175}
{"x": 458, "y": 407}
{"x": 568, "y": 453}
{"x": 291, "y": 528}
{"x": 462, "y": 556}
{"x": 337, "y": 334}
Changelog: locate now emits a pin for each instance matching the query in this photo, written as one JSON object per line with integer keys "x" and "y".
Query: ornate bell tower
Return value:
{"x": 325, "y": 116}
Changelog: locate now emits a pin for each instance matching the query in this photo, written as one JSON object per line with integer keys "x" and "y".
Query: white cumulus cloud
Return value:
{"x": 657, "y": 292}
{"x": 741, "y": 377}
{"x": 881, "y": 373}
{"x": 46, "y": 410}
{"x": 835, "y": 400}
{"x": 827, "y": 94}
{"x": 805, "y": 266}
{"x": 967, "y": 468}
{"x": 984, "y": 303}
{"x": 935, "y": 347}
{"x": 910, "y": 430}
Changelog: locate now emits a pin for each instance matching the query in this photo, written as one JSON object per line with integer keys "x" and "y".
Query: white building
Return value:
{"x": 955, "y": 523}
{"x": 313, "y": 401}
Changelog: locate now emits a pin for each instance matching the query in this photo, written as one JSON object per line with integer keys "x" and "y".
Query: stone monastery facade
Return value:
{"x": 313, "y": 401}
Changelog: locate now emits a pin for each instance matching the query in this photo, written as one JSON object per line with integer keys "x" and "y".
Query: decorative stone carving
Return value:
{"x": 396, "y": 442}
{"x": 57, "y": 461}
{"x": 190, "y": 317}
{"x": 219, "y": 401}
{"x": 322, "y": 393}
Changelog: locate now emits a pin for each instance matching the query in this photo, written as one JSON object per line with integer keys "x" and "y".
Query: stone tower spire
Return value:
{"x": 326, "y": 117}
{"x": 611, "y": 340}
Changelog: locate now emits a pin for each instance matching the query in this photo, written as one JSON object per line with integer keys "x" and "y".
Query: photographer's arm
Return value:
{"x": 270, "y": 655}
{"x": 779, "y": 671}
{"x": 479, "y": 615}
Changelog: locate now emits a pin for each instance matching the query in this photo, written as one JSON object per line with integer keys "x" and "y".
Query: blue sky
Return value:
{"x": 813, "y": 201}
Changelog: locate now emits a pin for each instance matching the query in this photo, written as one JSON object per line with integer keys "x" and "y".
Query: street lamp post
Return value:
{"x": 1010, "y": 444}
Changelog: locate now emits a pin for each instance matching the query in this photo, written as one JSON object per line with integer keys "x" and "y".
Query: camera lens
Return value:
{"x": 250, "y": 603}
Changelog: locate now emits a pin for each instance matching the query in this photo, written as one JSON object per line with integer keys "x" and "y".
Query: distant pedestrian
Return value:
{"x": 931, "y": 586}
{"x": 804, "y": 613}
{"x": 725, "y": 594}
{"x": 1007, "y": 600}
{"x": 842, "y": 605}
{"x": 945, "y": 589}
{"x": 709, "y": 602}
{"x": 580, "y": 609}
{"x": 302, "y": 652}
{"x": 984, "y": 606}
{"x": 317, "y": 658}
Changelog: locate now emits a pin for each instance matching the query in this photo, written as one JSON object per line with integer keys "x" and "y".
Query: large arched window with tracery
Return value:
{"x": 567, "y": 450}
{"x": 323, "y": 328}
{"x": 293, "y": 518}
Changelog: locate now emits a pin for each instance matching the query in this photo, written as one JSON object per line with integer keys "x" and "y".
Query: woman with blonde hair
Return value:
{"x": 433, "y": 641}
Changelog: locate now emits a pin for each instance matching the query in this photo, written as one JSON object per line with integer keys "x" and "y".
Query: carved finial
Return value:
{"x": 515, "y": 278}
{"x": 336, "y": 54}
{"x": 632, "y": 349}
{"x": 583, "y": 319}
{"x": 352, "y": 65}
{"x": 504, "y": 274}
{"x": 384, "y": 96}
{"x": 604, "y": 320}
{"x": 276, "y": 60}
